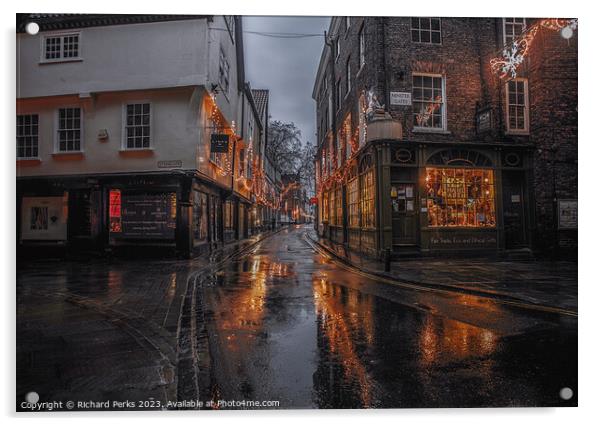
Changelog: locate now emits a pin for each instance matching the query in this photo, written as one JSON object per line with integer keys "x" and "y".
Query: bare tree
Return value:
{"x": 290, "y": 155}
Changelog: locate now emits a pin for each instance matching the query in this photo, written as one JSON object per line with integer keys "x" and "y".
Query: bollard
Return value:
{"x": 387, "y": 260}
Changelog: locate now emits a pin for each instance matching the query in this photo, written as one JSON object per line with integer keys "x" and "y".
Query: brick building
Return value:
{"x": 425, "y": 147}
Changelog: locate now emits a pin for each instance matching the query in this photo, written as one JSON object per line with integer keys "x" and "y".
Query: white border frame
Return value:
{"x": 38, "y": 158}
{"x": 151, "y": 144}
{"x": 443, "y": 128}
{"x": 526, "y": 129}
{"x": 61, "y": 59}
{"x": 56, "y": 130}
{"x": 504, "y": 42}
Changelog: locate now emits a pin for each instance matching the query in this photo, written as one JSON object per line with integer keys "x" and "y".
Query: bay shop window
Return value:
{"x": 460, "y": 197}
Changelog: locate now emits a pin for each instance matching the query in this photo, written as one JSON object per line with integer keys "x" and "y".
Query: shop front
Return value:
{"x": 431, "y": 199}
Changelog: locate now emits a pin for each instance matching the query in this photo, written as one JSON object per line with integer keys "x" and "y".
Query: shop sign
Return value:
{"x": 44, "y": 218}
{"x": 484, "y": 120}
{"x": 567, "y": 214}
{"x": 463, "y": 240}
{"x": 144, "y": 215}
{"x": 219, "y": 142}
{"x": 401, "y": 98}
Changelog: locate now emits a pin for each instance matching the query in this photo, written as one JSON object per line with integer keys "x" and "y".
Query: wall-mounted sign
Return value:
{"x": 401, "y": 98}
{"x": 219, "y": 142}
{"x": 169, "y": 164}
{"x": 567, "y": 214}
{"x": 143, "y": 215}
{"x": 484, "y": 120}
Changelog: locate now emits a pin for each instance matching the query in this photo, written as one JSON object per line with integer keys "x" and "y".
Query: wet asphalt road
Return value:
{"x": 285, "y": 323}
{"x": 279, "y": 322}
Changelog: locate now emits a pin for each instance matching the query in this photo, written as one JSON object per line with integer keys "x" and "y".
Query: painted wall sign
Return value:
{"x": 169, "y": 164}
{"x": 463, "y": 240}
{"x": 219, "y": 142}
{"x": 567, "y": 214}
{"x": 401, "y": 98}
{"x": 44, "y": 218}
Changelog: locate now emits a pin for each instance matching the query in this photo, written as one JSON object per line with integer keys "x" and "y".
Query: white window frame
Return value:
{"x": 61, "y": 57}
{"x": 124, "y": 118}
{"x": 443, "y": 127}
{"x": 56, "y": 138}
{"x": 514, "y": 35}
{"x": 525, "y": 130}
{"x": 419, "y": 29}
{"x": 37, "y": 157}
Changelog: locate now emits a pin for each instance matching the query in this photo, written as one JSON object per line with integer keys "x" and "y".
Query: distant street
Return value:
{"x": 280, "y": 322}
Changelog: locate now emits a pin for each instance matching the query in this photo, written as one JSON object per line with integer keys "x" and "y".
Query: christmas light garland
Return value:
{"x": 514, "y": 54}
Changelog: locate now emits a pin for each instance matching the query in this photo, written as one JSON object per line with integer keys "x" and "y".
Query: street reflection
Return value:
{"x": 366, "y": 344}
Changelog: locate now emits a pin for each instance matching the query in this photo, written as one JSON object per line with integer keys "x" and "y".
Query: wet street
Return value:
{"x": 281, "y": 322}
{"x": 285, "y": 323}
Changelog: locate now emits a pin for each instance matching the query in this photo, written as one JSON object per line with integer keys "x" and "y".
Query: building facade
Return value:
{"x": 134, "y": 130}
{"x": 431, "y": 141}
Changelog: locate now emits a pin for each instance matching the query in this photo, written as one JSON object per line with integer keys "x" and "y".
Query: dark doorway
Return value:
{"x": 514, "y": 209}
{"x": 403, "y": 214}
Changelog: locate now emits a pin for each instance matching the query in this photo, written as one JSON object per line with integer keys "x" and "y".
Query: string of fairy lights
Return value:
{"x": 513, "y": 54}
{"x": 256, "y": 183}
{"x": 505, "y": 65}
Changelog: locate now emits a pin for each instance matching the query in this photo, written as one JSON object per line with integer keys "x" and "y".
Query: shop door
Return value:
{"x": 514, "y": 210}
{"x": 81, "y": 218}
{"x": 403, "y": 213}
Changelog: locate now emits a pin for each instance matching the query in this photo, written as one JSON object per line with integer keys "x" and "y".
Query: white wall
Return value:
{"x": 171, "y": 64}
{"x": 117, "y": 57}
{"x": 175, "y": 133}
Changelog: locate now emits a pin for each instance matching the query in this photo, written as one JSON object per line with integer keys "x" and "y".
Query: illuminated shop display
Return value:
{"x": 460, "y": 197}
{"x": 115, "y": 210}
{"x": 367, "y": 199}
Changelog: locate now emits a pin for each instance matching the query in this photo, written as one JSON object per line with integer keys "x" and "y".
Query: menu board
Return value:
{"x": 148, "y": 215}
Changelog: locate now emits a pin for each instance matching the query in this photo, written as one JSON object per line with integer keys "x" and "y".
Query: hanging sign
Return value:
{"x": 400, "y": 98}
{"x": 484, "y": 120}
{"x": 219, "y": 142}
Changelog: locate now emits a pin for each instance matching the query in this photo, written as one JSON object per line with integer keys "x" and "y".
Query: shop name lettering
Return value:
{"x": 462, "y": 240}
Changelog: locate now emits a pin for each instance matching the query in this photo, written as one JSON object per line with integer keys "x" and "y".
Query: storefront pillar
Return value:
{"x": 184, "y": 231}
{"x": 383, "y": 193}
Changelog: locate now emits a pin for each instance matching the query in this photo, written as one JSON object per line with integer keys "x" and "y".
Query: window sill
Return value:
{"x": 68, "y": 155}
{"x": 139, "y": 152}
{"x": 429, "y": 130}
{"x": 28, "y": 161}
{"x": 60, "y": 61}
{"x": 517, "y": 132}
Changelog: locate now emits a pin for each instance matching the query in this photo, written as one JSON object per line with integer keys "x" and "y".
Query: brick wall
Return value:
{"x": 467, "y": 46}
{"x": 552, "y": 71}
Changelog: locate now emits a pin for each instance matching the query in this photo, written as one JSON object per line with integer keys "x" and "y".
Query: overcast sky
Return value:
{"x": 287, "y": 67}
